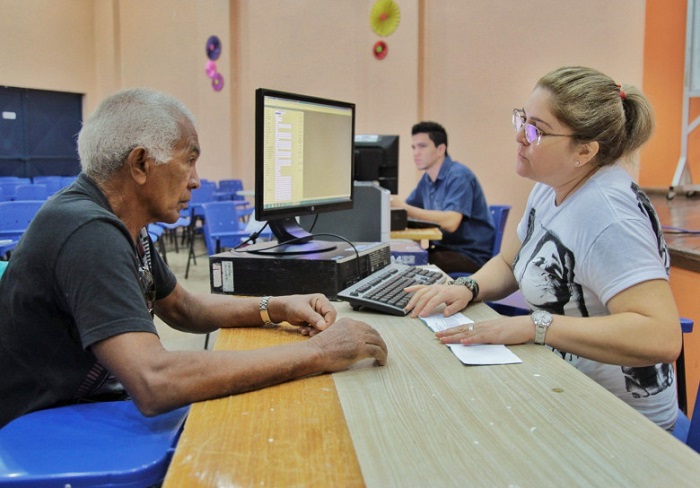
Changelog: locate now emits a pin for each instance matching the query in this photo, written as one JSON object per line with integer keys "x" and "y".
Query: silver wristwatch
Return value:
{"x": 542, "y": 320}
{"x": 471, "y": 285}
{"x": 264, "y": 314}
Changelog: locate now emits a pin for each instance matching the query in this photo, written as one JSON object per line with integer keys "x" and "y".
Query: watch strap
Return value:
{"x": 471, "y": 285}
{"x": 264, "y": 313}
{"x": 542, "y": 321}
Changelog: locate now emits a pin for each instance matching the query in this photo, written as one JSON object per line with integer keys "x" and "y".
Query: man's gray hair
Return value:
{"x": 128, "y": 119}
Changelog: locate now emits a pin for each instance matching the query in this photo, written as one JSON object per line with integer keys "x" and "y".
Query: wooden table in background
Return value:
{"x": 423, "y": 235}
{"x": 422, "y": 420}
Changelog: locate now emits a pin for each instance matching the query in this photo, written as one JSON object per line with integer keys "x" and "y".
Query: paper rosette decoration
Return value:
{"x": 380, "y": 50}
{"x": 213, "y": 48}
{"x": 384, "y": 17}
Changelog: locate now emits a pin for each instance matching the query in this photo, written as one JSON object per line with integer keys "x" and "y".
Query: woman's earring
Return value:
{"x": 577, "y": 163}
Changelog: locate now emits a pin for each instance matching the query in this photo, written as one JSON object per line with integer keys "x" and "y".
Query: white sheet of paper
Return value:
{"x": 474, "y": 353}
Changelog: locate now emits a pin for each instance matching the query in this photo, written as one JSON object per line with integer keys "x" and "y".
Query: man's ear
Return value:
{"x": 442, "y": 149}
{"x": 138, "y": 164}
{"x": 587, "y": 152}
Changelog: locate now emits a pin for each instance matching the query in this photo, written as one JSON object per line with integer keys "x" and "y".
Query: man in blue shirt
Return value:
{"x": 450, "y": 195}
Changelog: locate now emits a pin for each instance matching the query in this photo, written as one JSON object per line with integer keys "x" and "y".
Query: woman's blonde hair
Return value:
{"x": 619, "y": 117}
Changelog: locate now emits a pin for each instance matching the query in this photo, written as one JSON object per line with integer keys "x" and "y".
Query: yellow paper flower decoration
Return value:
{"x": 384, "y": 17}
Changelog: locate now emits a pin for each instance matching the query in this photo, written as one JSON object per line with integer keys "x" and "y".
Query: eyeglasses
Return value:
{"x": 532, "y": 134}
{"x": 148, "y": 285}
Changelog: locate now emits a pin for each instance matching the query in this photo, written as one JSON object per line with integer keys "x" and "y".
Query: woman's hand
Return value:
{"x": 427, "y": 297}
{"x": 503, "y": 330}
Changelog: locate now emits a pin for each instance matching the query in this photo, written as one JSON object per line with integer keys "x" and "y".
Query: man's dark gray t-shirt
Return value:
{"x": 71, "y": 282}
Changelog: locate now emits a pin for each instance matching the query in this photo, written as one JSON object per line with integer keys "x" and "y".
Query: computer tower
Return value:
{"x": 368, "y": 221}
{"x": 252, "y": 274}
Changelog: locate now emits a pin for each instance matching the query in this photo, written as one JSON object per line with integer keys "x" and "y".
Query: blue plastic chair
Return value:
{"x": 155, "y": 232}
{"x": 229, "y": 189}
{"x": 15, "y": 217}
{"x": 688, "y": 431}
{"x": 686, "y": 328}
{"x": 499, "y": 214}
{"x": 33, "y": 191}
{"x": 67, "y": 180}
{"x": 6, "y": 246}
{"x": 109, "y": 444}
{"x": 182, "y": 223}
{"x": 203, "y": 194}
{"x": 9, "y": 189}
{"x": 222, "y": 226}
{"x": 53, "y": 183}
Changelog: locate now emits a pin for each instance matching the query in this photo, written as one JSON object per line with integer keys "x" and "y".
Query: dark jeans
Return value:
{"x": 451, "y": 261}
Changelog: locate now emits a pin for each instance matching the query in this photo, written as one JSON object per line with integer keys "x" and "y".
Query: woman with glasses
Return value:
{"x": 589, "y": 258}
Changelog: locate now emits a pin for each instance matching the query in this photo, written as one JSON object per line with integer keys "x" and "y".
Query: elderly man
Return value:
{"x": 78, "y": 297}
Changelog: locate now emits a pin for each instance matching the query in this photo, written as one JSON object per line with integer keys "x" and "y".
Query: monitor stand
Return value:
{"x": 292, "y": 239}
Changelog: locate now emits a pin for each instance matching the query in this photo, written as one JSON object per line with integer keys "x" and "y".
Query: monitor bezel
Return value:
{"x": 268, "y": 214}
{"x": 389, "y": 145}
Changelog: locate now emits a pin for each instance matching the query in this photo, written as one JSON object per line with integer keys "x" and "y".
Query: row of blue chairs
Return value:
{"x": 229, "y": 227}
{"x": 36, "y": 188}
{"x": 15, "y": 217}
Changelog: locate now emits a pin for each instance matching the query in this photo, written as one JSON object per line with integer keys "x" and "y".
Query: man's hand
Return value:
{"x": 312, "y": 313}
{"x": 347, "y": 342}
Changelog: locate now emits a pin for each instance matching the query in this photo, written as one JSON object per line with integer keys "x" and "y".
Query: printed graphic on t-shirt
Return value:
{"x": 648, "y": 211}
{"x": 547, "y": 279}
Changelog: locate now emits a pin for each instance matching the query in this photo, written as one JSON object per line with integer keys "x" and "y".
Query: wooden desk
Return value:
{"x": 682, "y": 213}
{"x": 425, "y": 420}
{"x": 421, "y": 235}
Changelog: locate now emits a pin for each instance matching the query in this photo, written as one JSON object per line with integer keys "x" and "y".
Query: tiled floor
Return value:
{"x": 197, "y": 281}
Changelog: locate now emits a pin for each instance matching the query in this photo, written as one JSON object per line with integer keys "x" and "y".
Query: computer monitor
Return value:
{"x": 377, "y": 159}
{"x": 303, "y": 165}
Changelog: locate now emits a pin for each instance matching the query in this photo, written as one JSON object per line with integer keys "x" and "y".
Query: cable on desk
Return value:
{"x": 302, "y": 239}
{"x": 252, "y": 237}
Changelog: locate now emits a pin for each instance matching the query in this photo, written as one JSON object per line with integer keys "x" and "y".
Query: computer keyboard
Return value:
{"x": 383, "y": 289}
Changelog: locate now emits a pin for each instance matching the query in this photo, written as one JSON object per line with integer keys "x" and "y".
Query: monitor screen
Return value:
{"x": 377, "y": 159}
{"x": 303, "y": 163}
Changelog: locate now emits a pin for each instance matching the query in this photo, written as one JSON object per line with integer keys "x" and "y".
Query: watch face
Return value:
{"x": 468, "y": 282}
{"x": 541, "y": 317}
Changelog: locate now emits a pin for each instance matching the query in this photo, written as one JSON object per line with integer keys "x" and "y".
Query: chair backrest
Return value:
{"x": 203, "y": 194}
{"x": 34, "y": 191}
{"x": 16, "y": 216}
{"x": 232, "y": 185}
{"x": 68, "y": 180}
{"x": 53, "y": 183}
{"x": 499, "y": 214}
{"x": 694, "y": 430}
{"x": 9, "y": 188}
{"x": 93, "y": 444}
{"x": 221, "y": 222}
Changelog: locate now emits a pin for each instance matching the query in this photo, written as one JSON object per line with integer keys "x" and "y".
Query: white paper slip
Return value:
{"x": 484, "y": 354}
{"x": 474, "y": 353}
{"x": 438, "y": 322}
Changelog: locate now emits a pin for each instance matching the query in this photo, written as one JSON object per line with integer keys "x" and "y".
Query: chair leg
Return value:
{"x": 680, "y": 379}
{"x": 190, "y": 252}
{"x": 686, "y": 328}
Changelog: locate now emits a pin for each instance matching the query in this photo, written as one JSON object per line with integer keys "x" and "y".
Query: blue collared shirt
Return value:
{"x": 457, "y": 188}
